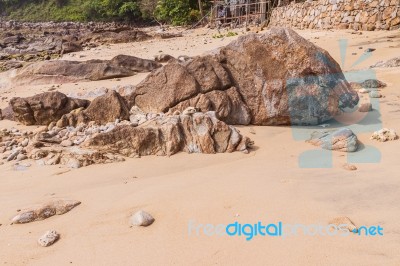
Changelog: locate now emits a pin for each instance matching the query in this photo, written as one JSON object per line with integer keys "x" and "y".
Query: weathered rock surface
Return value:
{"x": 62, "y": 71}
{"x": 141, "y": 218}
{"x": 147, "y": 134}
{"x": 107, "y": 108}
{"x": 44, "y": 211}
{"x": 48, "y": 238}
{"x": 394, "y": 62}
{"x": 277, "y": 78}
{"x": 341, "y": 140}
{"x": 372, "y": 83}
{"x": 135, "y": 64}
{"x": 197, "y": 133}
{"x": 44, "y": 108}
{"x": 23, "y": 41}
{"x": 365, "y": 107}
{"x": 385, "y": 134}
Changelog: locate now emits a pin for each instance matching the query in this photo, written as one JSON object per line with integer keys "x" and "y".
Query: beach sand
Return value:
{"x": 266, "y": 185}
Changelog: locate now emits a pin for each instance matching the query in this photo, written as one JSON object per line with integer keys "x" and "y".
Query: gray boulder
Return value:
{"x": 342, "y": 139}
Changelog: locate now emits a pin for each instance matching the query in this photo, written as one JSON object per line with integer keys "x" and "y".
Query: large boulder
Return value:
{"x": 107, "y": 108}
{"x": 167, "y": 135}
{"x": 44, "y": 108}
{"x": 103, "y": 109}
{"x": 280, "y": 79}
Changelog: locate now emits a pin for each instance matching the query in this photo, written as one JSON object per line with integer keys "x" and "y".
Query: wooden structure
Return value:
{"x": 239, "y": 12}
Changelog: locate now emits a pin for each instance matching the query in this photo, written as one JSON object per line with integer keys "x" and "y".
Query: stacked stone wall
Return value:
{"x": 339, "y": 14}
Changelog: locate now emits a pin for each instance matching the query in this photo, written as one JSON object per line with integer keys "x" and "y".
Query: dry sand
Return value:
{"x": 266, "y": 185}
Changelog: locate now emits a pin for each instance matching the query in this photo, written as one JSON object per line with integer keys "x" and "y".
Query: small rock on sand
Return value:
{"x": 343, "y": 220}
{"x": 349, "y": 167}
{"x": 48, "y": 238}
{"x": 141, "y": 218}
{"x": 384, "y": 134}
{"x": 66, "y": 143}
{"x": 374, "y": 94}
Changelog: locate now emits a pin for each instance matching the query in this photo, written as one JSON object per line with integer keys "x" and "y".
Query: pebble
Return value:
{"x": 13, "y": 155}
{"x": 66, "y": 143}
{"x": 349, "y": 167}
{"x": 48, "y": 238}
{"x": 21, "y": 157}
{"x": 375, "y": 94}
{"x": 73, "y": 163}
{"x": 141, "y": 218}
{"x": 25, "y": 142}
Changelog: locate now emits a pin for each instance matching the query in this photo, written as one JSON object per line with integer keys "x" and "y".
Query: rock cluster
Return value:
{"x": 167, "y": 135}
{"x": 22, "y": 41}
{"x": 339, "y": 14}
{"x": 277, "y": 78}
{"x": 106, "y": 129}
{"x": 44, "y": 108}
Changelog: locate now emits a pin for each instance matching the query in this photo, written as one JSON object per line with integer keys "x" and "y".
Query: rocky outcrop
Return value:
{"x": 61, "y": 71}
{"x": 277, "y": 78}
{"x": 23, "y": 41}
{"x": 339, "y": 14}
{"x": 89, "y": 143}
{"x": 44, "y": 108}
{"x": 340, "y": 140}
{"x": 44, "y": 211}
{"x": 197, "y": 133}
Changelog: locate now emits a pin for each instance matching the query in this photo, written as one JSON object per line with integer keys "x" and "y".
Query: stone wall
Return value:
{"x": 339, "y": 14}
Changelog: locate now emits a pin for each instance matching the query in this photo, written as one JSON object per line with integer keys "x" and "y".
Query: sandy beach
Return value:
{"x": 267, "y": 185}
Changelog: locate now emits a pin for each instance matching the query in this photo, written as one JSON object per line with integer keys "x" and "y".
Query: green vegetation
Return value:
{"x": 176, "y": 12}
{"x": 229, "y": 34}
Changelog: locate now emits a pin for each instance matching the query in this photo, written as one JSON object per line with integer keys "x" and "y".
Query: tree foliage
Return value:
{"x": 177, "y": 12}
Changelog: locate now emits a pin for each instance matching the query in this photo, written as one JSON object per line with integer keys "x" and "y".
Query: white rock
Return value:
{"x": 73, "y": 163}
{"x": 384, "y": 134}
{"x": 66, "y": 143}
{"x": 25, "y": 142}
{"x": 49, "y": 238}
{"x": 141, "y": 218}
